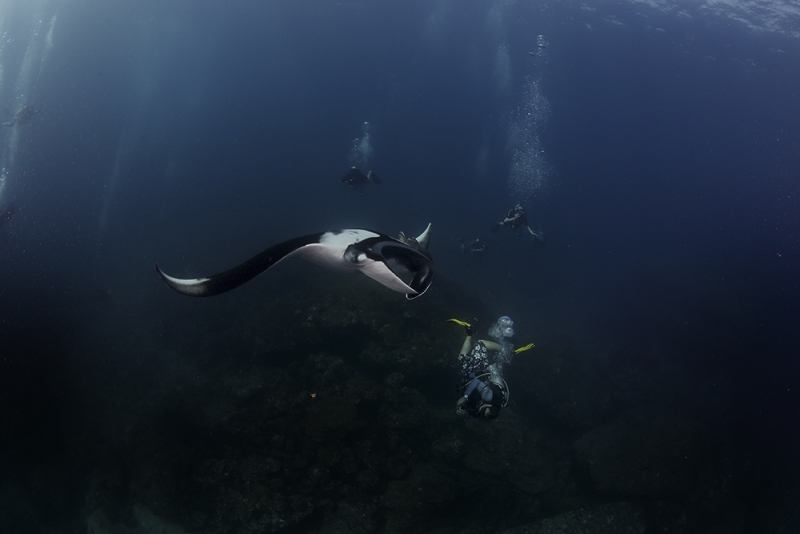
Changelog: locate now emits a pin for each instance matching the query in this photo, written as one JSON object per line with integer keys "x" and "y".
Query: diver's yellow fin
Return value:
{"x": 529, "y": 346}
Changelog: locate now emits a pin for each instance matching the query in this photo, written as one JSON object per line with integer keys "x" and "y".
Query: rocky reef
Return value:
{"x": 330, "y": 409}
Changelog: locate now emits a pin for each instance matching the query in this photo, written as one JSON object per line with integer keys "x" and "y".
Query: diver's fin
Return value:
{"x": 529, "y": 346}
{"x": 372, "y": 177}
{"x": 425, "y": 237}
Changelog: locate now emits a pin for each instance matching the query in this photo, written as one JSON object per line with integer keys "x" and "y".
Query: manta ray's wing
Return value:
{"x": 370, "y": 252}
{"x": 381, "y": 273}
{"x": 241, "y": 274}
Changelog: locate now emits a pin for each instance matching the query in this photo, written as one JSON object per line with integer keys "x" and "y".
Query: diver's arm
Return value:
{"x": 467, "y": 346}
{"x": 491, "y": 345}
{"x": 535, "y": 235}
{"x": 501, "y": 224}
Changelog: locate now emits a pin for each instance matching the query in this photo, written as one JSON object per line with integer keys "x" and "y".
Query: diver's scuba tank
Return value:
{"x": 496, "y": 377}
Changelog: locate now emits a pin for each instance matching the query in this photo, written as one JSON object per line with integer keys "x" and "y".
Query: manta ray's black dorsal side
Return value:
{"x": 233, "y": 278}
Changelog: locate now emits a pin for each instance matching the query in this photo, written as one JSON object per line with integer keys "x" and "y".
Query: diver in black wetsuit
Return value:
{"x": 476, "y": 247}
{"x": 355, "y": 179}
{"x": 8, "y": 212}
{"x": 22, "y": 116}
{"x": 517, "y": 219}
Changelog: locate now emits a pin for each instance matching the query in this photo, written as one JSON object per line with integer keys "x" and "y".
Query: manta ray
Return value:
{"x": 357, "y": 250}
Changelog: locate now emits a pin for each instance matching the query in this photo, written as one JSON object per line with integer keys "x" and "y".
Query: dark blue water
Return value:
{"x": 668, "y": 152}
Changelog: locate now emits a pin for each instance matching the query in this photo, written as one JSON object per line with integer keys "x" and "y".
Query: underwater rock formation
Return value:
{"x": 330, "y": 408}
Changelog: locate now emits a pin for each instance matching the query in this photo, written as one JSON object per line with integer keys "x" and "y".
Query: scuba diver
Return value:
{"x": 22, "y": 116}
{"x": 517, "y": 219}
{"x": 484, "y": 391}
{"x": 8, "y": 212}
{"x": 476, "y": 247}
{"x": 355, "y": 179}
{"x": 473, "y": 252}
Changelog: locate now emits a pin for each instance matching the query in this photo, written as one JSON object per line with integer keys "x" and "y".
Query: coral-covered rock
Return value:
{"x": 611, "y": 518}
{"x": 331, "y": 414}
{"x": 409, "y": 502}
{"x": 645, "y": 452}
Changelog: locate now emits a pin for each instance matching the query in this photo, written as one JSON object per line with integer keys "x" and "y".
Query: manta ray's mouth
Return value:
{"x": 407, "y": 264}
